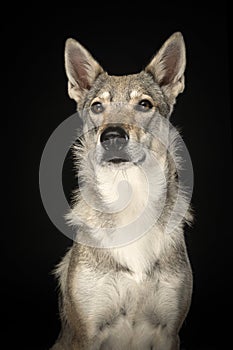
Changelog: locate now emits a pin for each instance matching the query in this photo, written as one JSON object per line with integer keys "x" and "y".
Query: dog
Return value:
{"x": 126, "y": 283}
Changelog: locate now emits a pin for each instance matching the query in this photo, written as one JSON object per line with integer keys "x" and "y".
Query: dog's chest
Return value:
{"x": 119, "y": 304}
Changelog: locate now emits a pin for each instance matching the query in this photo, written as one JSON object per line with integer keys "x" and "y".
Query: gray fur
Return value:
{"x": 135, "y": 296}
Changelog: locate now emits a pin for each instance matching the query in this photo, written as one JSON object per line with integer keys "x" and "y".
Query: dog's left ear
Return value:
{"x": 168, "y": 66}
{"x": 81, "y": 69}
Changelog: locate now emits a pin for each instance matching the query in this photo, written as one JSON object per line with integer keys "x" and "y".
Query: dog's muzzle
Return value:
{"x": 114, "y": 140}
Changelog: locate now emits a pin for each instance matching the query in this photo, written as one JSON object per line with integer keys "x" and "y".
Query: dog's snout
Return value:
{"x": 114, "y": 137}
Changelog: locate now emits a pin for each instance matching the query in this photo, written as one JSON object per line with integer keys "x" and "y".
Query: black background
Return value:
{"x": 34, "y": 86}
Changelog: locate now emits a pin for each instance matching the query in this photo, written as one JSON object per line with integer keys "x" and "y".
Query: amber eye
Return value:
{"x": 144, "y": 105}
{"x": 97, "y": 107}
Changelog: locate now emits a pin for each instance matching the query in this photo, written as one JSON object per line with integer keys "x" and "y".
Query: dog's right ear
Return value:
{"x": 81, "y": 69}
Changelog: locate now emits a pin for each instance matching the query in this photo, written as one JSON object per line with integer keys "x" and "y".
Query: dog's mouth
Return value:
{"x": 126, "y": 160}
{"x": 118, "y": 160}
{"x": 115, "y": 158}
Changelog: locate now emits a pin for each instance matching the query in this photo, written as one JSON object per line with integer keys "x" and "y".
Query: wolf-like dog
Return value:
{"x": 126, "y": 282}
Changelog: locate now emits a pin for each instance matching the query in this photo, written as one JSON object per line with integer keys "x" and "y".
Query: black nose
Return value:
{"x": 114, "y": 138}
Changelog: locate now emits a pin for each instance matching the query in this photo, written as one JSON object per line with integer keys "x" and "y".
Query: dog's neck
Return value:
{"x": 131, "y": 204}
{"x": 131, "y": 192}
{"x": 124, "y": 202}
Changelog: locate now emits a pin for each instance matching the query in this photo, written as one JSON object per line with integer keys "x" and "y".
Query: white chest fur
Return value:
{"x": 123, "y": 314}
{"x": 135, "y": 195}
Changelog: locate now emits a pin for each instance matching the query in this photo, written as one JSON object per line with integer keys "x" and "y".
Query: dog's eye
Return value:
{"x": 144, "y": 106}
{"x": 97, "y": 107}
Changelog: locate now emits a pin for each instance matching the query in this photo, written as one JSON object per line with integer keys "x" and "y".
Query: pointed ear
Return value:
{"x": 81, "y": 69}
{"x": 168, "y": 66}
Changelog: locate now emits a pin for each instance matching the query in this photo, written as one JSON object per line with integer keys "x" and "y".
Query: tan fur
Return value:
{"x": 118, "y": 295}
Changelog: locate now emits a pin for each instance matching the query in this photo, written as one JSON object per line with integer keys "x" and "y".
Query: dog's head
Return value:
{"x": 121, "y": 109}
{"x": 127, "y": 158}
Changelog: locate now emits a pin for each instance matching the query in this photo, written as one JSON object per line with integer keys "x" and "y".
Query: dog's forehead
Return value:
{"x": 124, "y": 88}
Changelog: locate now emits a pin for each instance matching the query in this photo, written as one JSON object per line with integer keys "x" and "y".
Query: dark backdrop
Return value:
{"x": 34, "y": 87}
